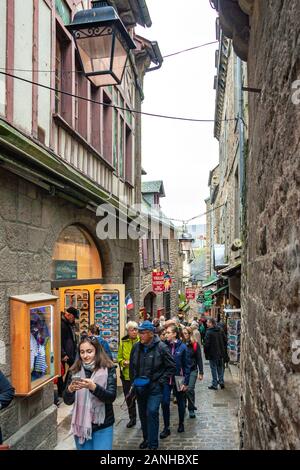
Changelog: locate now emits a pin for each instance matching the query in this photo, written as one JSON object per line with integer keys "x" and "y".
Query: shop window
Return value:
{"x": 128, "y": 156}
{"x": 81, "y": 89}
{"x": 145, "y": 253}
{"x": 63, "y": 11}
{"x": 95, "y": 119}
{"x": 63, "y": 74}
{"x": 107, "y": 128}
{"x": 75, "y": 256}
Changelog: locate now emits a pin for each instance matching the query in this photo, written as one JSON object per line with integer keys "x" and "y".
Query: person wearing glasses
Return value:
{"x": 126, "y": 345}
{"x": 92, "y": 388}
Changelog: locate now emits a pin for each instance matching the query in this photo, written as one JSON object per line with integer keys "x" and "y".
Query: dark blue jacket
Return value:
{"x": 182, "y": 359}
{"x": 7, "y": 393}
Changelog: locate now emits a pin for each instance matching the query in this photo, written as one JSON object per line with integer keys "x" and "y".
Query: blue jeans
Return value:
{"x": 148, "y": 405}
{"x": 180, "y": 397}
{"x": 101, "y": 440}
{"x": 217, "y": 371}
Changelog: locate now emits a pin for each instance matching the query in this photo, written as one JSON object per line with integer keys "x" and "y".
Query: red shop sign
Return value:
{"x": 158, "y": 281}
{"x": 190, "y": 294}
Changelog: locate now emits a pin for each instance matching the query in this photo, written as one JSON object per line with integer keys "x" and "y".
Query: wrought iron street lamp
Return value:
{"x": 102, "y": 42}
{"x": 186, "y": 240}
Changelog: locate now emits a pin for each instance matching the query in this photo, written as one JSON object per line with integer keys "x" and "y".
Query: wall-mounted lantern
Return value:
{"x": 102, "y": 42}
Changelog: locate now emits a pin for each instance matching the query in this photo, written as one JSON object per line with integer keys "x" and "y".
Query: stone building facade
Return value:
{"x": 60, "y": 159}
{"x": 161, "y": 254}
{"x": 266, "y": 34}
{"x": 226, "y": 182}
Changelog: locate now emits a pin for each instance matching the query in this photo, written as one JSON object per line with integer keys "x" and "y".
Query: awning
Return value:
{"x": 231, "y": 269}
{"x": 210, "y": 283}
{"x": 219, "y": 290}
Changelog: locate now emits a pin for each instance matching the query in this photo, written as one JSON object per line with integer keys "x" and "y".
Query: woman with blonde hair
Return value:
{"x": 126, "y": 345}
{"x": 196, "y": 367}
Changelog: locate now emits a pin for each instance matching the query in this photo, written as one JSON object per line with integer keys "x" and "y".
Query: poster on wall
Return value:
{"x": 107, "y": 317}
{"x": 158, "y": 281}
{"x": 65, "y": 269}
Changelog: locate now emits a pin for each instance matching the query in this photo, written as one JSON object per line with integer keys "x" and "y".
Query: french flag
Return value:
{"x": 129, "y": 302}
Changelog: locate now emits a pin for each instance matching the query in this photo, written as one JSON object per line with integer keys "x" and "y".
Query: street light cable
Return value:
{"x": 135, "y": 111}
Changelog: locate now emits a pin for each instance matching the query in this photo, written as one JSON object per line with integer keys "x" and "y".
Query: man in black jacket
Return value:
{"x": 68, "y": 341}
{"x": 215, "y": 352}
{"x": 150, "y": 358}
{"x": 7, "y": 393}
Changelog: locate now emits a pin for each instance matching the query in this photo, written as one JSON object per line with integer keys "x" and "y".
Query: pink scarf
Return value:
{"x": 88, "y": 409}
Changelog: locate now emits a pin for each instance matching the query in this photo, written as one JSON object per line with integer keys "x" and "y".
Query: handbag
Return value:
{"x": 179, "y": 381}
{"x": 141, "y": 385}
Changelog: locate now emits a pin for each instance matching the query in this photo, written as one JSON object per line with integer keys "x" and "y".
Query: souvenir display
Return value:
{"x": 80, "y": 300}
{"x": 234, "y": 338}
{"x": 35, "y": 339}
{"x": 107, "y": 318}
{"x": 41, "y": 347}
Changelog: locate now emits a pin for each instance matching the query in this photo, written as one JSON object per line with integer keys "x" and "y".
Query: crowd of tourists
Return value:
{"x": 159, "y": 362}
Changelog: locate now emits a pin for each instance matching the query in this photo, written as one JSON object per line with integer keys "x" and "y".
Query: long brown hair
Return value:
{"x": 191, "y": 334}
{"x": 101, "y": 358}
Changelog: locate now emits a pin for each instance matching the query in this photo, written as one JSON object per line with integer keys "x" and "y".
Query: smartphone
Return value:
{"x": 76, "y": 378}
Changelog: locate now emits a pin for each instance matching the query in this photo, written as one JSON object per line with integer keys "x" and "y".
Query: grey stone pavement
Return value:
{"x": 214, "y": 428}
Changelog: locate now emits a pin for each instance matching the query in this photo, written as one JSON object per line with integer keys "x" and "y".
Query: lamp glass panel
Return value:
{"x": 120, "y": 59}
{"x": 103, "y": 80}
{"x": 186, "y": 245}
{"x": 95, "y": 52}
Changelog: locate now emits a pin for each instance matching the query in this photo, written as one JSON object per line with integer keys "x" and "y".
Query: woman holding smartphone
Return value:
{"x": 92, "y": 387}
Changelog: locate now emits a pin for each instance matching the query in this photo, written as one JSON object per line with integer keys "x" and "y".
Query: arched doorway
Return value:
{"x": 150, "y": 304}
{"x": 76, "y": 268}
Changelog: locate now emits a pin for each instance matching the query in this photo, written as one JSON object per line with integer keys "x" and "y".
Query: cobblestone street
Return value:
{"x": 215, "y": 426}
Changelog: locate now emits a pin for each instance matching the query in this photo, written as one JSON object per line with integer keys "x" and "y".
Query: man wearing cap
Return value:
{"x": 68, "y": 341}
{"x": 150, "y": 359}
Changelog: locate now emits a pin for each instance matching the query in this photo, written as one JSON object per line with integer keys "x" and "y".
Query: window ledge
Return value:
{"x": 65, "y": 125}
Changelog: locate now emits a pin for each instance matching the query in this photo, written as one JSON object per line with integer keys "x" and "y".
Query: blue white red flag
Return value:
{"x": 129, "y": 302}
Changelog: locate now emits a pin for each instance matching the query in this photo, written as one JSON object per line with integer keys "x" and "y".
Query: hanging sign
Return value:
{"x": 167, "y": 282}
{"x": 190, "y": 293}
{"x": 158, "y": 281}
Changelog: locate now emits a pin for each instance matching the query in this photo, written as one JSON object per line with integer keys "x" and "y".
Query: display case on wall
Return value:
{"x": 107, "y": 317}
{"x": 35, "y": 341}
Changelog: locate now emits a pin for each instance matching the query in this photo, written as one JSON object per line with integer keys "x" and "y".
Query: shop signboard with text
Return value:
{"x": 190, "y": 293}
{"x": 158, "y": 281}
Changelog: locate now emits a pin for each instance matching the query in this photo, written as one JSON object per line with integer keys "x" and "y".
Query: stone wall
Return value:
{"x": 175, "y": 272}
{"x": 270, "y": 403}
{"x": 30, "y": 223}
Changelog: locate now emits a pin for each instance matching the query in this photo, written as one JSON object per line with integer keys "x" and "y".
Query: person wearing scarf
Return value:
{"x": 92, "y": 394}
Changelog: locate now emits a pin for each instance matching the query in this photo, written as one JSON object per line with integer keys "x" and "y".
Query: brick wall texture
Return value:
{"x": 270, "y": 408}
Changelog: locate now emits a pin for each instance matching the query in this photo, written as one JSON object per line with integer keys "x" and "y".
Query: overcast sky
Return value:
{"x": 181, "y": 153}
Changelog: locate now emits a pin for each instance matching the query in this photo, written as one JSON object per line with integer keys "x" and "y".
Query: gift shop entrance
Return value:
{"x": 77, "y": 274}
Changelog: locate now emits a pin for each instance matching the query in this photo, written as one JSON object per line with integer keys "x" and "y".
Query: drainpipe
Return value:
{"x": 241, "y": 136}
{"x": 158, "y": 57}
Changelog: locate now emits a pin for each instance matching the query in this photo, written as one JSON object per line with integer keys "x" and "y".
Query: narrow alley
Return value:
{"x": 215, "y": 426}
